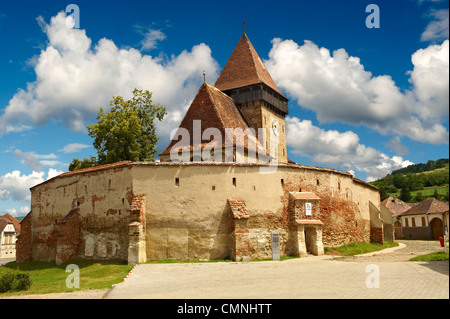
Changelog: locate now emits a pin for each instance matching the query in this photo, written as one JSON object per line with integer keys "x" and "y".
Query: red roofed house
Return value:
{"x": 396, "y": 206}
{"x": 425, "y": 220}
{"x": 9, "y": 229}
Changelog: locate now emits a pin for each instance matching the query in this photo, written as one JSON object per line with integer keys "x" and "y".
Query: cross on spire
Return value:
{"x": 244, "y": 26}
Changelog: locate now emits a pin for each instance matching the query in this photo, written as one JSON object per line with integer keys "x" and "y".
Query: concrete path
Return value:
{"x": 304, "y": 278}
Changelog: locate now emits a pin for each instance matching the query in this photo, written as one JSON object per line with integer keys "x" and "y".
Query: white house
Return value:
{"x": 9, "y": 229}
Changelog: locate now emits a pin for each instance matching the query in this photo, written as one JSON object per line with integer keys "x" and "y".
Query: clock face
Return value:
{"x": 275, "y": 127}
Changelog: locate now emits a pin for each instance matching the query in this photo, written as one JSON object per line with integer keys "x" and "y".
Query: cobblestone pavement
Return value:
{"x": 315, "y": 277}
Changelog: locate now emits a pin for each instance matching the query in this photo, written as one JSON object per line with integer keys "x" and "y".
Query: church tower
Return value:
{"x": 246, "y": 80}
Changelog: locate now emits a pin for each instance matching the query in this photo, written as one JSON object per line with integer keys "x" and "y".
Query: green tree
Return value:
{"x": 126, "y": 132}
{"x": 84, "y": 163}
{"x": 405, "y": 194}
{"x": 419, "y": 197}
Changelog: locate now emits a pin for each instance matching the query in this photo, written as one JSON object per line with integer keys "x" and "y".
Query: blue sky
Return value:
{"x": 365, "y": 100}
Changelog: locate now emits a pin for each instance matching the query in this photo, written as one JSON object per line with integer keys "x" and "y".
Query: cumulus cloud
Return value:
{"x": 339, "y": 149}
{"x": 338, "y": 88}
{"x": 74, "y": 78}
{"x": 53, "y": 172}
{"x": 437, "y": 29}
{"x": 16, "y": 186}
{"x": 21, "y": 211}
{"x": 73, "y": 148}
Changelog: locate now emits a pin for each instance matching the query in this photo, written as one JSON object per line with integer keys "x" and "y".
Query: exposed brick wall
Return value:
{"x": 24, "y": 242}
{"x": 341, "y": 217}
{"x": 376, "y": 235}
{"x": 68, "y": 237}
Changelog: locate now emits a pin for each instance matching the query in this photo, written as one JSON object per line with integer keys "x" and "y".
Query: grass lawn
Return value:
{"x": 427, "y": 191}
{"x": 50, "y": 278}
{"x": 436, "y": 256}
{"x": 358, "y": 248}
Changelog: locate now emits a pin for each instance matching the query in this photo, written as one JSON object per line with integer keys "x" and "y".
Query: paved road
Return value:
{"x": 303, "y": 278}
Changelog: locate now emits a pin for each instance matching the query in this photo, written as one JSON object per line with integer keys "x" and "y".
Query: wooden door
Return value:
{"x": 437, "y": 229}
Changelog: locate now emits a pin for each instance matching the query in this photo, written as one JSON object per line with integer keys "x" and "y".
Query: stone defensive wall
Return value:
{"x": 140, "y": 211}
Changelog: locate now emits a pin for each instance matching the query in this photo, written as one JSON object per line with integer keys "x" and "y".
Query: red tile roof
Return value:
{"x": 396, "y": 206}
{"x": 304, "y": 196}
{"x": 244, "y": 68}
{"x": 8, "y": 219}
{"x": 238, "y": 208}
{"x": 214, "y": 109}
{"x": 428, "y": 206}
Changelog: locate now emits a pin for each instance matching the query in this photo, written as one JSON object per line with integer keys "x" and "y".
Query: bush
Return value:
{"x": 22, "y": 281}
{"x": 6, "y": 281}
{"x": 16, "y": 281}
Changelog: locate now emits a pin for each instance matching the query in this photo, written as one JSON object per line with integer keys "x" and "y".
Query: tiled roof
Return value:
{"x": 309, "y": 222}
{"x": 396, "y": 206}
{"x": 304, "y": 196}
{"x": 214, "y": 109}
{"x": 8, "y": 219}
{"x": 95, "y": 168}
{"x": 244, "y": 68}
{"x": 137, "y": 202}
{"x": 428, "y": 206}
{"x": 238, "y": 208}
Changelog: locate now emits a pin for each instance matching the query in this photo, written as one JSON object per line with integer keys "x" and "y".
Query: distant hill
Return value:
{"x": 420, "y": 168}
{"x": 417, "y": 182}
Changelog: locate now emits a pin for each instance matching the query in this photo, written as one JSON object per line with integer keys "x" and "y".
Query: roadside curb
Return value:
{"x": 384, "y": 251}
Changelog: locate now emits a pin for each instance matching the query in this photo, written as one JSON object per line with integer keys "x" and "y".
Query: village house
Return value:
{"x": 396, "y": 206}
{"x": 426, "y": 220}
{"x": 9, "y": 230}
{"x": 212, "y": 195}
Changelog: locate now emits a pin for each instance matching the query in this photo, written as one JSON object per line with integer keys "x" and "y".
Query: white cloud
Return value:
{"x": 16, "y": 186}
{"x": 437, "y": 30}
{"x": 338, "y": 88}
{"x": 74, "y": 79}
{"x": 21, "y": 211}
{"x": 151, "y": 38}
{"x": 53, "y": 172}
{"x": 73, "y": 148}
{"x": 339, "y": 149}
{"x": 36, "y": 161}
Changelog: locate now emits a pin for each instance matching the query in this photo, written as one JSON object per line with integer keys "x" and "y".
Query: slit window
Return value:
{"x": 177, "y": 181}
{"x": 234, "y": 181}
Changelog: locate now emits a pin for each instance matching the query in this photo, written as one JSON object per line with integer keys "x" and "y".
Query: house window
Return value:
{"x": 413, "y": 221}
{"x": 406, "y": 222}
{"x": 423, "y": 222}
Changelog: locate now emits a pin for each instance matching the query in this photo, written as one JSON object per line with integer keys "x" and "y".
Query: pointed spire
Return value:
{"x": 244, "y": 68}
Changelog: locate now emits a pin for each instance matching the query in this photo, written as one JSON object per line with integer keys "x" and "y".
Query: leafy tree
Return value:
{"x": 419, "y": 197}
{"x": 84, "y": 163}
{"x": 126, "y": 132}
{"x": 405, "y": 194}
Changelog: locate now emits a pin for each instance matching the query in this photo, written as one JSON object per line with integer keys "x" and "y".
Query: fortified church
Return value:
{"x": 213, "y": 195}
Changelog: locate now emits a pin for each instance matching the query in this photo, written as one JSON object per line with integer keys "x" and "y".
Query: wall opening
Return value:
{"x": 234, "y": 181}
{"x": 177, "y": 182}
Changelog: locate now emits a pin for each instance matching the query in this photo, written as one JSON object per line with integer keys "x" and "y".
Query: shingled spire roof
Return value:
{"x": 244, "y": 68}
{"x": 215, "y": 110}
